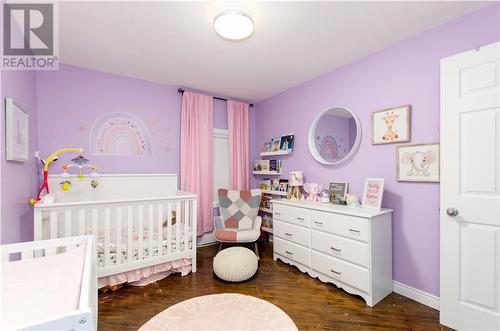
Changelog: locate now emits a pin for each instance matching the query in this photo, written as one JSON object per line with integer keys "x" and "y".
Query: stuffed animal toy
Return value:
{"x": 313, "y": 190}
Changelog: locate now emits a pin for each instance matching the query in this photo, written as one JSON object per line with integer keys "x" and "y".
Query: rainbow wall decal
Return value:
{"x": 329, "y": 149}
{"x": 119, "y": 133}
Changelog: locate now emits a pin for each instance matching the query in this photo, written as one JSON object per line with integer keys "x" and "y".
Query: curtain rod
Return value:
{"x": 218, "y": 98}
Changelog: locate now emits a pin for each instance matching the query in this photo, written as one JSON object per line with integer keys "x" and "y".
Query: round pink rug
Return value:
{"x": 228, "y": 311}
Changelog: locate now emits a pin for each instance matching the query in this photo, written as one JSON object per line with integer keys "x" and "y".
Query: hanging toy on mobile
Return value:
{"x": 80, "y": 163}
{"x": 44, "y": 192}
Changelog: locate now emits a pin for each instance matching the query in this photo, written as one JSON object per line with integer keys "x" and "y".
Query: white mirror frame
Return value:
{"x": 312, "y": 144}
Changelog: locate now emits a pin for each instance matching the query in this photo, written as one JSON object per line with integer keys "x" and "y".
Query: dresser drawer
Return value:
{"x": 292, "y": 251}
{"x": 342, "y": 248}
{"x": 345, "y": 272}
{"x": 343, "y": 225}
{"x": 295, "y": 215}
{"x": 291, "y": 232}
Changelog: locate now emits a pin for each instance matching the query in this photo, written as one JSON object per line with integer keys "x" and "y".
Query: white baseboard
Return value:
{"x": 424, "y": 298}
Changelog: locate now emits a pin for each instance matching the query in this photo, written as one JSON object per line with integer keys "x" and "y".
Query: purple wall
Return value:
{"x": 18, "y": 180}
{"x": 72, "y": 98}
{"x": 405, "y": 73}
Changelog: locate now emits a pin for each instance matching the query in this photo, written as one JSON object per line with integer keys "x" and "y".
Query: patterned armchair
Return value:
{"x": 239, "y": 222}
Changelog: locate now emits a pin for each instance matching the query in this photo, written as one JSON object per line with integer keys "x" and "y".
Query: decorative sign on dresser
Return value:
{"x": 351, "y": 248}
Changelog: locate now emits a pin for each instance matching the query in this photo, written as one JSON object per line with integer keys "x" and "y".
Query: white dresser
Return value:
{"x": 351, "y": 248}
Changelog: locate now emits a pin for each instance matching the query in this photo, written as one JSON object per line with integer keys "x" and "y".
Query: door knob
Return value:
{"x": 452, "y": 212}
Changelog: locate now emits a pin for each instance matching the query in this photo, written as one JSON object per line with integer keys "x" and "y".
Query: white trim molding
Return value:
{"x": 424, "y": 298}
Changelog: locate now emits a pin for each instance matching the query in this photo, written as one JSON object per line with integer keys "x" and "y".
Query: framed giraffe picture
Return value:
{"x": 391, "y": 125}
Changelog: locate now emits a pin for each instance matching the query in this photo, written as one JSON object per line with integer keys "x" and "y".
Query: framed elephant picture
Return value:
{"x": 418, "y": 163}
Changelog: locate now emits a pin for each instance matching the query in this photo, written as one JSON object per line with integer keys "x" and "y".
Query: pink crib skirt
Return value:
{"x": 147, "y": 275}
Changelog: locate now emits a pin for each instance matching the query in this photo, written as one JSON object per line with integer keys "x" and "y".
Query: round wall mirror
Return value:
{"x": 334, "y": 135}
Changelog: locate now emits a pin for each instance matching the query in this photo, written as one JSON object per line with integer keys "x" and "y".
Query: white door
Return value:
{"x": 470, "y": 190}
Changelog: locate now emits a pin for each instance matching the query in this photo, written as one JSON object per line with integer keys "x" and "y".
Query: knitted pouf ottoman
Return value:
{"x": 235, "y": 264}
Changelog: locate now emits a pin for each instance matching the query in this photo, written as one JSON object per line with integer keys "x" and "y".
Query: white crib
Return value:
{"x": 137, "y": 220}
{"x": 82, "y": 317}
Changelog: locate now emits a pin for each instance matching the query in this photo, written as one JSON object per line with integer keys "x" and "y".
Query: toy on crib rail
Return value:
{"x": 80, "y": 161}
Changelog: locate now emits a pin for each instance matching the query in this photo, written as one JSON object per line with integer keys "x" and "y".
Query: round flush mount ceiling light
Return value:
{"x": 233, "y": 24}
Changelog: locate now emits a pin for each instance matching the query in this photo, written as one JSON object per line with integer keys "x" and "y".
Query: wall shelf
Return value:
{"x": 266, "y": 210}
{"x": 274, "y": 192}
{"x": 268, "y": 173}
{"x": 286, "y": 152}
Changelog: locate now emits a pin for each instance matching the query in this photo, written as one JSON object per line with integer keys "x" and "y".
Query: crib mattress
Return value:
{"x": 34, "y": 290}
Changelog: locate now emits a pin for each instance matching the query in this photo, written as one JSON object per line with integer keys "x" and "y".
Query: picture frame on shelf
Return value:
{"x": 391, "y": 125}
{"x": 338, "y": 191}
{"x": 373, "y": 193}
{"x": 16, "y": 132}
{"x": 287, "y": 142}
{"x": 418, "y": 163}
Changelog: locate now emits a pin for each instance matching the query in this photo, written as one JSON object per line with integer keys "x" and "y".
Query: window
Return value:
{"x": 221, "y": 161}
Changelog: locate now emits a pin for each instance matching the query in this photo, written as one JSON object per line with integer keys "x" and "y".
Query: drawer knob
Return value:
{"x": 289, "y": 252}
{"x": 277, "y": 213}
{"x": 354, "y": 231}
{"x": 336, "y": 272}
{"x": 319, "y": 223}
{"x": 300, "y": 219}
{"x": 288, "y": 234}
{"x": 335, "y": 249}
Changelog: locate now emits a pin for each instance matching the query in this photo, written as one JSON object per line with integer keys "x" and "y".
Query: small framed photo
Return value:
{"x": 418, "y": 163}
{"x": 286, "y": 142}
{"x": 391, "y": 125}
{"x": 16, "y": 132}
{"x": 373, "y": 193}
{"x": 338, "y": 191}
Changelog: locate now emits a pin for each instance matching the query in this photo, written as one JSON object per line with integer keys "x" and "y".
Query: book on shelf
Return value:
{"x": 267, "y": 221}
{"x": 264, "y": 164}
{"x": 267, "y": 166}
{"x": 265, "y": 202}
{"x": 257, "y": 166}
{"x": 265, "y": 184}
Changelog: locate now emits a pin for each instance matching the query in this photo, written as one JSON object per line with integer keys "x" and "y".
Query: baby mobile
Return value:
{"x": 80, "y": 163}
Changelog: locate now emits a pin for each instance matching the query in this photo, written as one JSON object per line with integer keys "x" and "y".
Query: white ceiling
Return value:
{"x": 174, "y": 42}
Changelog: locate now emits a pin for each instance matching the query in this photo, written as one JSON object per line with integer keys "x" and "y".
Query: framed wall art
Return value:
{"x": 16, "y": 132}
{"x": 418, "y": 163}
{"x": 373, "y": 193}
{"x": 391, "y": 125}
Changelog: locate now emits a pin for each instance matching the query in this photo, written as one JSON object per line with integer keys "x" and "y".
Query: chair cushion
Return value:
{"x": 234, "y": 235}
{"x": 235, "y": 264}
{"x": 239, "y": 208}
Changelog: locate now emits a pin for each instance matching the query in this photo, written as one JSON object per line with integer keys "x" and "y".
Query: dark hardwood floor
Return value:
{"x": 311, "y": 304}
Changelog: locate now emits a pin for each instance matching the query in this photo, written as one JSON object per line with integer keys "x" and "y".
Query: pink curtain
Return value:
{"x": 237, "y": 115}
{"x": 197, "y": 154}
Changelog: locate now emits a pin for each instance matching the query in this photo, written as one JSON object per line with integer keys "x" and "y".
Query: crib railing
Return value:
{"x": 130, "y": 234}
